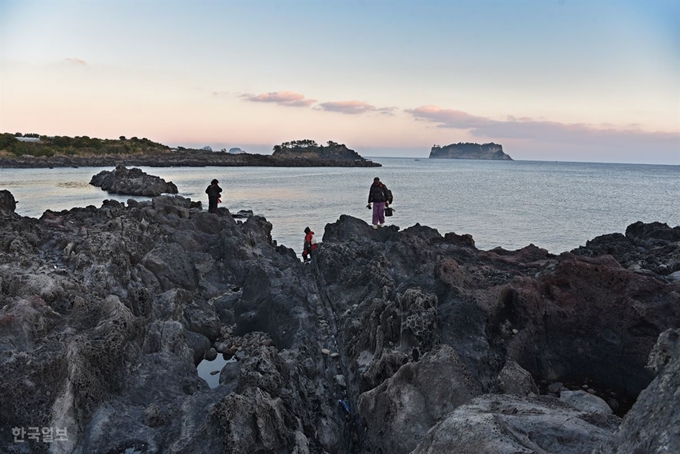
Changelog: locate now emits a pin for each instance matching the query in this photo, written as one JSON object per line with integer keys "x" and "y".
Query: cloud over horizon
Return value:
{"x": 74, "y": 61}
{"x": 353, "y": 107}
{"x": 282, "y": 98}
{"x": 542, "y": 130}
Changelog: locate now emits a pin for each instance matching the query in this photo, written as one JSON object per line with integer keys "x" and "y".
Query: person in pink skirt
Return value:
{"x": 378, "y": 195}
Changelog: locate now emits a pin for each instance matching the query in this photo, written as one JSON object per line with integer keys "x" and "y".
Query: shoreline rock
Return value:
{"x": 178, "y": 159}
{"x": 105, "y": 313}
{"x": 132, "y": 181}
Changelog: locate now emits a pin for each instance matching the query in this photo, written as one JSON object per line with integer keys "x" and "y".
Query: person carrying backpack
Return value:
{"x": 214, "y": 192}
{"x": 380, "y": 197}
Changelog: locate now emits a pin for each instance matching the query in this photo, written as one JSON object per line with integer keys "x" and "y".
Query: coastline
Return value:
{"x": 177, "y": 160}
{"x": 148, "y": 292}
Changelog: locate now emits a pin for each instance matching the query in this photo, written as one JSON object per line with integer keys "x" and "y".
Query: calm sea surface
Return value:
{"x": 557, "y": 206}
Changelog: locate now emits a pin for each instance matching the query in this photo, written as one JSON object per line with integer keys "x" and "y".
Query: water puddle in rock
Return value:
{"x": 210, "y": 370}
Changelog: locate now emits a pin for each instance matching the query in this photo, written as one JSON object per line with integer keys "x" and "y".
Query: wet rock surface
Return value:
{"x": 132, "y": 181}
{"x": 390, "y": 341}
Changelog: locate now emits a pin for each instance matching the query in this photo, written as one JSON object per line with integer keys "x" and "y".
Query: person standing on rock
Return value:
{"x": 214, "y": 192}
{"x": 309, "y": 245}
{"x": 378, "y": 195}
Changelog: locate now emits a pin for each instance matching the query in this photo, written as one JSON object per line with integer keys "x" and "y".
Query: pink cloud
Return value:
{"x": 540, "y": 130}
{"x": 283, "y": 98}
{"x": 447, "y": 118}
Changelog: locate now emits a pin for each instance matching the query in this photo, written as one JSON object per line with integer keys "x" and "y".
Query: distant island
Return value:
{"x": 461, "y": 150}
{"x": 309, "y": 149}
{"x": 38, "y": 151}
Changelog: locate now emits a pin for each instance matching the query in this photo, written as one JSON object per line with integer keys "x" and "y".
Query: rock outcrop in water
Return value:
{"x": 308, "y": 149}
{"x": 390, "y": 341}
{"x": 133, "y": 181}
{"x": 461, "y": 150}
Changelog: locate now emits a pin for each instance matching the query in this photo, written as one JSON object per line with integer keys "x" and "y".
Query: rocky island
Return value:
{"x": 393, "y": 341}
{"x": 83, "y": 151}
{"x": 132, "y": 182}
{"x": 309, "y": 149}
{"x": 461, "y": 150}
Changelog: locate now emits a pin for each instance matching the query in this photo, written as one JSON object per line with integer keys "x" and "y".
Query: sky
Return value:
{"x": 560, "y": 80}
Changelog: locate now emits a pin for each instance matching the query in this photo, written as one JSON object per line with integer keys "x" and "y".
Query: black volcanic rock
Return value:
{"x": 653, "y": 247}
{"x": 390, "y": 340}
{"x": 7, "y": 203}
{"x": 461, "y": 150}
{"x": 652, "y": 424}
{"x": 132, "y": 182}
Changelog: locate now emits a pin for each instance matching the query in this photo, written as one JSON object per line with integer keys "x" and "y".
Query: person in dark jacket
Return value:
{"x": 214, "y": 192}
{"x": 378, "y": 195}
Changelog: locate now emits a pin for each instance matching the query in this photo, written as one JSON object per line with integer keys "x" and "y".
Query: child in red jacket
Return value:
{"x": 309, "y": 246}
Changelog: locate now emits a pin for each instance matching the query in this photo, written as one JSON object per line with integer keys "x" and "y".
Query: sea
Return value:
{"x": 557, "y": 206}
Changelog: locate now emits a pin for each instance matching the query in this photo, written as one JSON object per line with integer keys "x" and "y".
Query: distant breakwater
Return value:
{"x": 179, "y": 160}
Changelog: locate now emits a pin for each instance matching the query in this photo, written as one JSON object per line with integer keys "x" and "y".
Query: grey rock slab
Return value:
{"x": 502, "y": 424}
{"x": 420, "y": 394}
{"x": 555, "y": 387}
{"x": 585, "y": 401}
{"x": 512, "y": 379}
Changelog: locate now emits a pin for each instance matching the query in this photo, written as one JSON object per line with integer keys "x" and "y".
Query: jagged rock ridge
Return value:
{"x": 392, "y": 341}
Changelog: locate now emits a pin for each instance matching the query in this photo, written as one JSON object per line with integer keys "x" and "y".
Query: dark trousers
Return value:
{"x": 212, "y": 204}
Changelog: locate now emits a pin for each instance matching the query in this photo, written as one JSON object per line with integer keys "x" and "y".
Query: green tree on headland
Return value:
{"x": 79, "y": 145}
{"x": 307, "y": 148}
{"x": 304, "y": 143}
{"x": 7, "y": 141}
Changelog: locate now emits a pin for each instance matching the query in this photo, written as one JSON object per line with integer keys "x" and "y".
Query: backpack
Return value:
{"x": 389, "y": 196}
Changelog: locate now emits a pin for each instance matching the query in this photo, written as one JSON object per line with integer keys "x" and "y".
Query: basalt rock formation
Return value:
{"x": 133, "y": 181}
{"x": 389, "y": 341}
{"x": 652, "y": 424}
{"x": 7, "y": 203}
{"x": 461, "y": 150}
